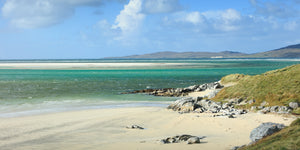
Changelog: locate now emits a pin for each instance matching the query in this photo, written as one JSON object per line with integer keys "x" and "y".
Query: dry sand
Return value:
{"x": 105, "y": 129}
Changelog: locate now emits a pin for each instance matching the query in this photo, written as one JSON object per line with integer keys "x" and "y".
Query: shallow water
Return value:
{"x": 27, "y": 90}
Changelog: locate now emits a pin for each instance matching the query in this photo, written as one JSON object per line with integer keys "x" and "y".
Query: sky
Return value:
{"x": 91, "y": 29}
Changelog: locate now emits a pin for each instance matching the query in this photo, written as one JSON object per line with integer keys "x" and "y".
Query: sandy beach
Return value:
{"x": 105, "y": 129}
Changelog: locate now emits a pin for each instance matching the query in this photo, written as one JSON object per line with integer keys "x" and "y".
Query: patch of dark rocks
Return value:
{"x": 201, "y": 105}
{"x": 134, "y": 127}
{"x": 276, "y": 109}
{"x": 177, "y": 92}
{"x": 189, "y": 139}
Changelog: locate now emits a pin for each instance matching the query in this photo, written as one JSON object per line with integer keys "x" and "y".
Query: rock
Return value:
{"x": 185, "y": 104}
{"x": 199, "y": 105}
{"x": 134, "y": 127}
{"x": 251, "y": 101}
{"x": 253, "y": 108}
{"x": 294, "y": 105}
{"x": 193, "y": 140}
{"x": 231, "y": 116}
{"x": 182, "y": 138}
{"x": 264, "y": 103}
{"x": 225, "y": 106}
{"x": 283, "y": 110}
{"x": 193, "y": 87}
{"x": 265, "y": 110}
{"x": 274, "y": 109}
{"x": 237, "y": 147}
{"x": 241, "y": 111}
{"x": 199, "y": 110}
{"x": 265, "y": 129}
{"x": 260, "y": 107}
{"x": 235, "y": 100}
{"x": 215, "y": 87}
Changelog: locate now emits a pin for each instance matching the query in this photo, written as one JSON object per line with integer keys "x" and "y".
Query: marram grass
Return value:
{"x": 277, "y": 87}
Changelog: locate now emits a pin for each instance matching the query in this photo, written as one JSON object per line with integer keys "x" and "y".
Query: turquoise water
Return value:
{"x": 27, "y": 90}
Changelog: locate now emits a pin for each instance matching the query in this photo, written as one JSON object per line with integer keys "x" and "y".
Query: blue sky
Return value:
{"x": 65, "y": 29}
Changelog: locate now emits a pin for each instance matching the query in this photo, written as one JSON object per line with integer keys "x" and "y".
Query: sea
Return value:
{"x": 31, "y": 91}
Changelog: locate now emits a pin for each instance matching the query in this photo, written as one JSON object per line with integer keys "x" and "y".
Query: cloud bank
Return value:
{"x": 42, "y": 13}
{"x": 164, "y": 24}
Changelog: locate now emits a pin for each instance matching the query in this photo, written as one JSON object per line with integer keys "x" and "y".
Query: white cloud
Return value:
{"x": 160, "y": 6}
{"x": 130, "y": 18}
{"x": 230, "y": 15}
{"x": 42, "y": 13}
{"x": 225, "y": 20}
{"x": 194, "y": 17}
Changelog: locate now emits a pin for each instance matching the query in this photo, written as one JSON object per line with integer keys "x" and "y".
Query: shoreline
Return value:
{"x": 41, "y": 109}
{"x": 105, "y": 129}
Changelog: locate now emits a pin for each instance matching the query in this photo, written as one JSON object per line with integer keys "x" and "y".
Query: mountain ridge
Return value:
{"x": 290, "y": 51}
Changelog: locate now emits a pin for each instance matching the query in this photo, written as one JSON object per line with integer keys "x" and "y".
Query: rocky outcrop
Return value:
{"x": 176, "y": 92}
{"x": 265, "y": 129}
{"x": 200, "y": 105}
{"x": 273, "y": 109}
{"x": 189, "y": 139}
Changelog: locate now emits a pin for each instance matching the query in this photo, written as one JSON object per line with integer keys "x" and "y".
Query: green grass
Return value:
{"x": 277, "y": 87}
{"x": 286, "y": 139}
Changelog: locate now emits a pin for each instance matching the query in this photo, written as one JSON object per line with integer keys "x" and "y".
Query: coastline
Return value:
{"x": 105, "y": 129}
{"x": 86, "y": 66}
{"x": 97, "y": 127}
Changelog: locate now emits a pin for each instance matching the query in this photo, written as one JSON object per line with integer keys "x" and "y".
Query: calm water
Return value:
{"x": 34, "y": 91}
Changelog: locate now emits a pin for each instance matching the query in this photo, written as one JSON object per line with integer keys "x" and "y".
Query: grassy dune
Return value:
{"x": 277, "y": 87}
{"x": 286, "y": 139}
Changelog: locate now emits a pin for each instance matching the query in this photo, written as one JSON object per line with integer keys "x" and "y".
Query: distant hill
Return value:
{"x": 292, "y": 51}
{"x": 169, "y": 55}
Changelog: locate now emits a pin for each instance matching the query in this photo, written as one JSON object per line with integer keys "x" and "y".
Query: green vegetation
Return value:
{"x": 286, "y": 139}
{"x": 277, "y": 87}
{"x": 232, "y": 78}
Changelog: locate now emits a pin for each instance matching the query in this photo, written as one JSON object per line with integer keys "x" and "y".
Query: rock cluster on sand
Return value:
{"x": 265, "y": 129}
{"x": 200, "y": 105}
{"x": 182, "y": 138}
{"x": 276, "y": 109}
{"x": 176, "y": 92}
{"x": 134, "y": 127}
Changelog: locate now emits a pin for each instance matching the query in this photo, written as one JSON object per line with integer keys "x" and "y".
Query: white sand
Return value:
{"x": 105, "y": 129}
{"x": 83, "y": 65}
